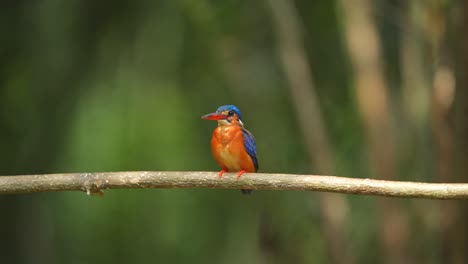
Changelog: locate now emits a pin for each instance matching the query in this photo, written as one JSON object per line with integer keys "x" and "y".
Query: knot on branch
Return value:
{"x": 93, "y": 187}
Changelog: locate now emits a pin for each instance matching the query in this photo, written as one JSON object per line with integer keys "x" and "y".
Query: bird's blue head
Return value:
{"x": 229, "y": 108}
{"x": 225, "y": 114}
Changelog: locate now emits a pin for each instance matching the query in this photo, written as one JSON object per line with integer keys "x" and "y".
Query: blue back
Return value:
{"x": 250, "y": 146}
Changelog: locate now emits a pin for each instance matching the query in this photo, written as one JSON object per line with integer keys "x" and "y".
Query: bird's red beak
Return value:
{"x": 213, "y": 116}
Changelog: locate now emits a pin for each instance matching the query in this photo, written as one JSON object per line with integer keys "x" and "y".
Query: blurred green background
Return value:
{"x": 366, "y": 89}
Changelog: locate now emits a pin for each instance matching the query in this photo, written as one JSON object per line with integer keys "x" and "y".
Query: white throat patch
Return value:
{"x": 224, "y": 122}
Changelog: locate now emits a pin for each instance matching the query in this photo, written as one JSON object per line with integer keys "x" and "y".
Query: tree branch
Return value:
{"x": 94, "y": 183}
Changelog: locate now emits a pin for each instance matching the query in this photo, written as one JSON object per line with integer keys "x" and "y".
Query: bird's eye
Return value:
{"x": 231, "y": 113}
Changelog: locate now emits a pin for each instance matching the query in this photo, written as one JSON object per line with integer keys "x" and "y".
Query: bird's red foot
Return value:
{"x": 220, "y": 175}
{"x": 240, "y": 173}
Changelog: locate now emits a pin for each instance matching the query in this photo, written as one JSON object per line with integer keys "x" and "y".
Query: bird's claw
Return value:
{"x": 220, "y": 175}
{"x": 240, "y": 173}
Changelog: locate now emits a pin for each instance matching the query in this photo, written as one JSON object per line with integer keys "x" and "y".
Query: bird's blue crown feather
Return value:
{"x": 230, "y": 108}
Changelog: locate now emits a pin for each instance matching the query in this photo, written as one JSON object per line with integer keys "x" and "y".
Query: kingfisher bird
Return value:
{"x": 232, "y": 145}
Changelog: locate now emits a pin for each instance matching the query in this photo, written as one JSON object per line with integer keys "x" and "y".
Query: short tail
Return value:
{"x": 246, "y": 191}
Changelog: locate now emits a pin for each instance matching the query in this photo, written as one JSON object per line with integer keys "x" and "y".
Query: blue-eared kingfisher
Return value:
{"x": 232, "y": 145}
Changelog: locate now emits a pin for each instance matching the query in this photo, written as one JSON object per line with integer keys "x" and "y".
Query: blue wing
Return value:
{"x": 250, "y": 146}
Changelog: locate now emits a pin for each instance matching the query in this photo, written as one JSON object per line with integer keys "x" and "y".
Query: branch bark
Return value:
{"x": 94, "y": 183}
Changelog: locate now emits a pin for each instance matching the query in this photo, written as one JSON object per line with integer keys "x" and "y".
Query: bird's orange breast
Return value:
{"x": 227, "y": 145}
